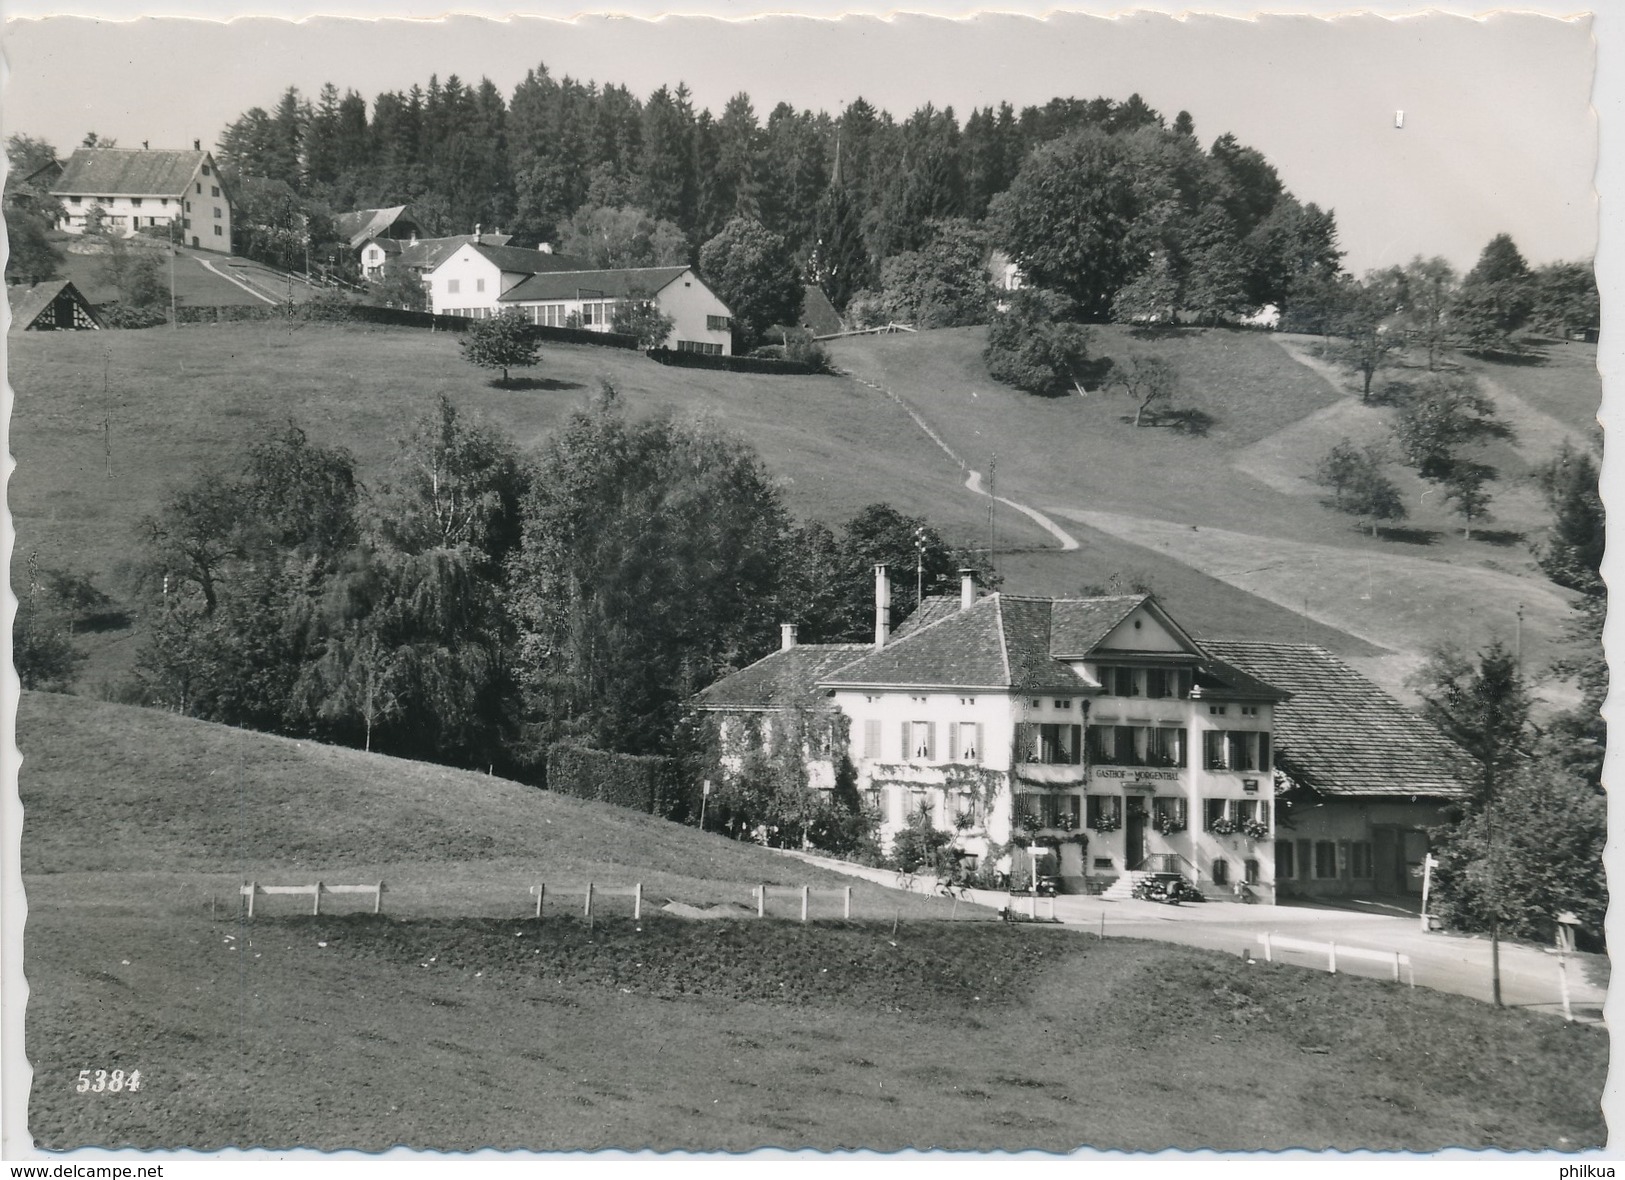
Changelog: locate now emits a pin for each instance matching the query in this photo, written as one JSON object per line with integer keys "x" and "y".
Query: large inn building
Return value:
{"x": 1099, "y": 729}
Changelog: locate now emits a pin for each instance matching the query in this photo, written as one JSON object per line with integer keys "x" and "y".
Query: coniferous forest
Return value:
{"x": 847, "y": 192}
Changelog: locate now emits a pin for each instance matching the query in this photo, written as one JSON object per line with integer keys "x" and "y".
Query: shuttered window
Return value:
{"x": 871, "y": 738}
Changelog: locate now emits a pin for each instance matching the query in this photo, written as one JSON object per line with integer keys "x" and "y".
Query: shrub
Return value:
{"x": 641, "y": 782}
{"x": 122, "y": 315}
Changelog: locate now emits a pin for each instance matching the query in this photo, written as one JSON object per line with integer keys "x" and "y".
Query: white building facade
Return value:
{"x": 133, "y": 189}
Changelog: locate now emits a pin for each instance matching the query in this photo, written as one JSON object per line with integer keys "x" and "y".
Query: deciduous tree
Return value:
{"x": 1148, "y": 381}
{"x": 752, "y": 270}
{"x": 502, "y": 342}
{"x": 1031, "y": 347}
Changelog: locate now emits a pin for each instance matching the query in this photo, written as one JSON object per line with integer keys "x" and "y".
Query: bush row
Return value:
{"x": 731, "y": 364}
{"x": 640, "y": 782}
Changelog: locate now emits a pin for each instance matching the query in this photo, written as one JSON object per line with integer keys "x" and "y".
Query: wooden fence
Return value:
{"x": 806, "y": 893}
{"x": 588, "y": 892}
{"x": 253, "y": 889}
{"x": 1275, "y": 942}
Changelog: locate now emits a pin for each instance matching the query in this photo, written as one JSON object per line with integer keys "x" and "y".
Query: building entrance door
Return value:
{"x": 1136, "y": 814}
{"x": 1388, "y": 870}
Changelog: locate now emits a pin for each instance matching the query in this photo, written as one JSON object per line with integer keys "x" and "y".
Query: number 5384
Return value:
{"x": 101, "y": 1081}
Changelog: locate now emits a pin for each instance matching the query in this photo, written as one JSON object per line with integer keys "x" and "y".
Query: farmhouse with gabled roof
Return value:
{"x": 1096, "y": 738}
{"x": 554, "y": 290}
{"x": 130, "y": 189}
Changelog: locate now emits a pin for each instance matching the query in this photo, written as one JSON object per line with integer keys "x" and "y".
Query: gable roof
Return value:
{"x": 998, "y": 642}
{"x": 128, "y": 172}
{"x": 818, "y": 314}
{"x": 1342, "y": 735}
{"x": 787, "y": 678}
{"x": 933, "y": 608}
{"x": 28, "y": 304}
{"x": 607, "y": 284}
{"x": 518, "y": 260}
{"x": 1082, "y": 623}
{"x": 361, "y": 224}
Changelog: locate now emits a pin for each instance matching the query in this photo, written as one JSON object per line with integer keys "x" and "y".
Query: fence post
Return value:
{"x": 1331, "y": 957}
{"x": 761, "y": 901}
{"x": 849, "y": 903}
{"x": 589, "y": 903}
{"x": 1269, "y": 951}
{"x": 316, "y": 899}
{"x": 541, "y": 892}
{"x": 253, "y": 888}
{"x": 637, "y": 901}
{"x": 806, "y": 892}
{"x": 378, "y": 899}
{"x": 1396, "y": 966}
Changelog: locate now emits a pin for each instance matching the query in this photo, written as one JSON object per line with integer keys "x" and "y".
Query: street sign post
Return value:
{"x": 1429, "y": 863}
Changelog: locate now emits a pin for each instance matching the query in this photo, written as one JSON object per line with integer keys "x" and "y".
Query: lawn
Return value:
{"x": 453, "y": 1020}
{"x": 1135, "y": 497}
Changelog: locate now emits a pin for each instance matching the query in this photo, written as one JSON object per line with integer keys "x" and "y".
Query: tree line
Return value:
{"x": 847, "y": 192}
{"x": 472, "y": 605}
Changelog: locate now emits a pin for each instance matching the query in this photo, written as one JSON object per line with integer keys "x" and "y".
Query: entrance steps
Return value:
{"x": 1123, "y": 888}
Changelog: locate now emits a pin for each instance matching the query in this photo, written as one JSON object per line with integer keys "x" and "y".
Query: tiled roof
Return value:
{"x": 606, "y": 284}
{"x": 818, "y": 314}
{"x": 389, "y": 245}
{"x": 999, "y": 642}
{"x": 1342, "y": 735}
{"x": 28, "y": 303}
{"x": 362, "y": 224}
{"x": 786, "y": 678}
{"x": 428, "y": 253}
{"x": 1217, "y": 679}
{"x": 1081, "y": 623}
{"x": 932, "y": 609}
{"x": 518, "y": 260}
{"x": 128, "y": 172}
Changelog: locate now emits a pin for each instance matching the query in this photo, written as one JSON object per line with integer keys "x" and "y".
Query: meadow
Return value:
{"x": 455, "y": 1020}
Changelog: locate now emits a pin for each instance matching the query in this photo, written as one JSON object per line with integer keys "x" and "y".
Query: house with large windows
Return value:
{"x": 124, "y": 190}
{"x": 553, "y": 290}
{"x": 1098, "y": 739}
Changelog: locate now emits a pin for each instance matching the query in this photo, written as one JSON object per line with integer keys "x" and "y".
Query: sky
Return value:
{"x": 1498, "y": 136}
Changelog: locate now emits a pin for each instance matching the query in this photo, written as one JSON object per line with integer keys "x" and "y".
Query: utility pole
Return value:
{"x": 992, "y": 505}
{"x": 919, "y": 566}
{"x": 174, "y": 320}
{"x": 1517, "y": 646}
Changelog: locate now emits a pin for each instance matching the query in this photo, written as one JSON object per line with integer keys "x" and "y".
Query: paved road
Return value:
{"x": 1446, "y": 962}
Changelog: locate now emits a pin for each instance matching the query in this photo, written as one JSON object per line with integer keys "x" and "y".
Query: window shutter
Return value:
{"x": 930, "y": 741}
{"x": 871, "y": 738}
{"x": 907, "y": 750}
{"x": 981, "y": 739}
{"x": 1264, "y": 751}
{"x": 1213, "y": 749}
{"x": 953, "y": 741}
{"x": 1076, "y": 752}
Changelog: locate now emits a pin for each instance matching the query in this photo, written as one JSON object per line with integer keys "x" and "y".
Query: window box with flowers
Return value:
{"x": 1105, "y": 813}
{"x": 1168, "y": 816}
{"x": 1255, "y": 829}
{"x": 1222, "y": 825}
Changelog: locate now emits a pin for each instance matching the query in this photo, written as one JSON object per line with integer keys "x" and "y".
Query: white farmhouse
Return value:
{"x": 1097, "y": 737}
{"x": 700, "y": 321}
{"x": 554, "y": 290}
{"x": 134, "y": 188}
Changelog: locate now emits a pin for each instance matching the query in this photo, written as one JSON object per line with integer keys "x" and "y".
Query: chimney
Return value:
{"x": 476, "y": 233}
{"x": 545, "y": 247}
{"x": 967, "y": 589}
{"x": 787, "y": 636}
{"x": 882, "y": 606}
{"x": 197, "y": 145}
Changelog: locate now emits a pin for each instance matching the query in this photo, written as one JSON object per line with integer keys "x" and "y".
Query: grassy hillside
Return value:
{"x": 199, "y": 277}
{"x": 174, "y": 401}
{"x": 193, "y": 807}
{"x": 453, "y": 1021}
{"x": 1245, "y": 494}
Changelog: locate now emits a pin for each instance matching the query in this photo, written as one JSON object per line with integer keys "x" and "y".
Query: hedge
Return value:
{"x": 338, "y": 310}
{"x": 638, "y": 781}
{"x": 731, "y": 364}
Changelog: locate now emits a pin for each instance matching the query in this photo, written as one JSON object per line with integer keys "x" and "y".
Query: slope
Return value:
{"x": 452, "y": 1021}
